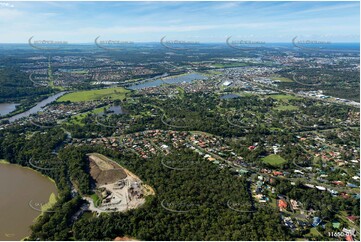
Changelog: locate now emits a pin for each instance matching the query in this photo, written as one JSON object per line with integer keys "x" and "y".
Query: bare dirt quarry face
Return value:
{"x": 117, "y": 188}
{"x": 104, "y": 171}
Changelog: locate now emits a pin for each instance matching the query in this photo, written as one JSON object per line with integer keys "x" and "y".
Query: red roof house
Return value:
{"x": 282, "y": 204}
{"x": 277, "y": 173}
{"x": 352, "y": 218}
{"x": 349, "y": 237}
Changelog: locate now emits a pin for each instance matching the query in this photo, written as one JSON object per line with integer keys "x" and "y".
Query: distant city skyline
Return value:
{"x": 204, "y": 22}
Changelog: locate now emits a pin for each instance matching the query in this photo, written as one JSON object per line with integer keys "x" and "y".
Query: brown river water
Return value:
{"x": 23, "y": 191}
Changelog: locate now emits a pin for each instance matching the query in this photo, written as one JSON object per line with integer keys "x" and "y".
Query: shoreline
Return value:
{"x": 22, "y": 110}
{"x": 5, "y": 162}
{"x": 53, "y": 197}
{"x": 2, "y": 161}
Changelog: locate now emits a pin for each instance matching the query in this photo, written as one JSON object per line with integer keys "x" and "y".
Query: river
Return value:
{"x": 22, "y": 192}
{"x": 37, "y": 108}
{"x": 6, "y": 108}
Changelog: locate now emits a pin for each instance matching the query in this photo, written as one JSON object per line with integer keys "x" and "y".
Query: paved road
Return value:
{"x": 302, "y": 180}
{"x": 299, "y": 95}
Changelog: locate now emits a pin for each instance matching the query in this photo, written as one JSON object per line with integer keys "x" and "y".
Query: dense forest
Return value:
{"x": 331, "y": 79}
{"x": 16, "y": 86}
{"x": 205, "y": 192}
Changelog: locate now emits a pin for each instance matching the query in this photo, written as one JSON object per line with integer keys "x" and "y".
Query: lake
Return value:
{"x": 6, "y": 108}
{"x": 113, "y": 110}
{"x": 179, "y": 79}
{"x": 116, "y": 109}
{"x": 22, "y": 192}
{"x": 37, "y": 108}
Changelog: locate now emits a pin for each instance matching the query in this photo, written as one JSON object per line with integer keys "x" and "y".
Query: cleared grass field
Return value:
{"x": 50, "y": 203}
{"x": 4, "y": 162}
{"x": 96, "y": 199}
{"x": 219, "y": 65}
{"x": 274, "y": 160}
{"x": 284, "y": 97}
{"x": 314, "y": 233}
{"x": 81, "y": 96}
{"x": 77, "y": 119}
{"x": 282, "y": 79}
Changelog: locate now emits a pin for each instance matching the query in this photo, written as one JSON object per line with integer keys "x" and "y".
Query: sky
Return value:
{"x": 270, "y": 22}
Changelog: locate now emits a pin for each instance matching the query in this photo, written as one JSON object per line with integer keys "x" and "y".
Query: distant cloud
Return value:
{"x": 81, "y": 22}
{"x": 6, "y": 5}
{"x": 50, "y": 14}
{"x": 149, "y": 29}
{"x": 329, "y": 8}
{"x": 227, "y": 5}
{"x": 9, "y": 14}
